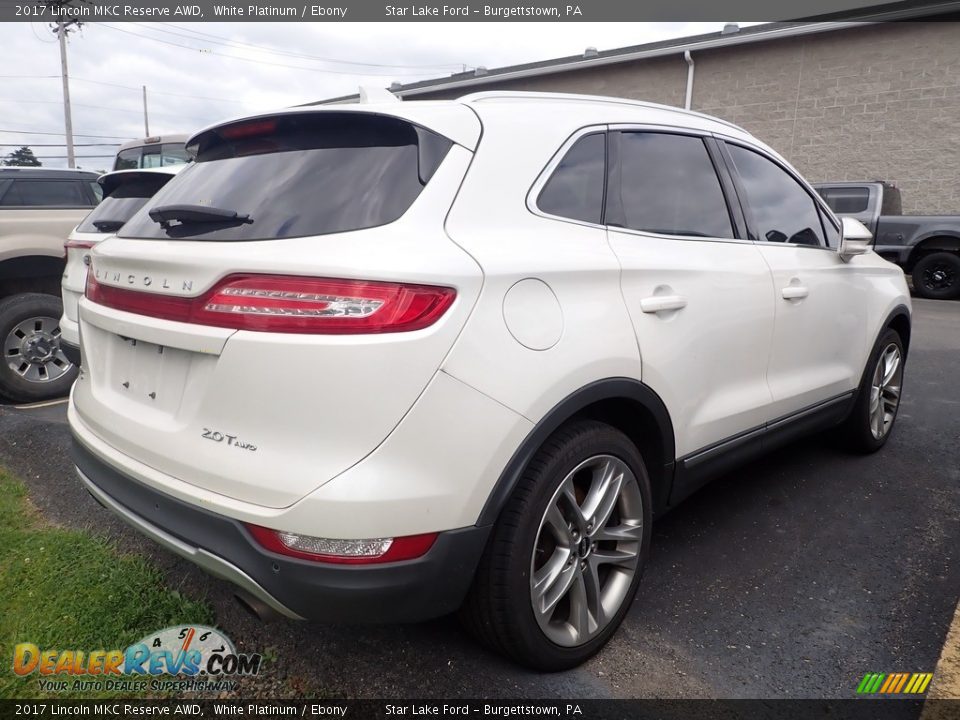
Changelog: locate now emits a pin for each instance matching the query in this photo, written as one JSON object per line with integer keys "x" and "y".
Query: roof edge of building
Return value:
{"x": 759, "y": 33}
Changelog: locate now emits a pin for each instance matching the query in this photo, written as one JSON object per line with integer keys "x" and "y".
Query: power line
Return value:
{"x": 33, "y": 145}
{"x": 229, "y": 42}
{"x": 251, "y": 60}
{"x": 159, "y": 92}
{"x": 118, "y": 85}
{"x": 77, "y": 157}
{"x": 83, "y": 105}
{"x": 42, "y": 132}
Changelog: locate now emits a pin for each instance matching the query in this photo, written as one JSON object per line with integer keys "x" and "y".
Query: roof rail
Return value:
{"x": 571, "y": 97}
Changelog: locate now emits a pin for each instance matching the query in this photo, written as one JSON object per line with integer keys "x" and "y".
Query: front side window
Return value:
{"x": 575, "y": 189}
{"x": 831, "y": 231}
{"x": 667, "y": 184}
{"x": 782, "y": 210}
{"x": 295, "y": 175}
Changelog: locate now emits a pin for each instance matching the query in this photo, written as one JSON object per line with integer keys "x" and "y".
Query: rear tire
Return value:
{"x": 32, "y": 366}
{"x": 870, "y": 423}
{"x": 937, "y": 276}
{"x": 566, "y": 555}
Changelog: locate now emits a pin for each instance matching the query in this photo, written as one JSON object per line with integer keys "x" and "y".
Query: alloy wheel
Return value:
{"x": 587, "y": 550}
{"x": 885, "y": 390}
{"x": 32, "y": 350}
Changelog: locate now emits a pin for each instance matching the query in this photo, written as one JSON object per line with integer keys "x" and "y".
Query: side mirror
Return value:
{"x": 854, "y": 238}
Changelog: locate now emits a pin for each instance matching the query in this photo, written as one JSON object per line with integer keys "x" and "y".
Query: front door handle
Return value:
{"x": 659, "y": 303}
{"x": 795, "y": 292}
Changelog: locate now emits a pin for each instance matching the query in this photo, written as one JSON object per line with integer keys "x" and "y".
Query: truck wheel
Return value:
{"x": 937, "y": 276}
{"x": 33, "y": 366}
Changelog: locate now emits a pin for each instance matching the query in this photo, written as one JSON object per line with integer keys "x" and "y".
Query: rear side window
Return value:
{"x": 293, "y": 176}
{"x": 783, "y": 212}
{"x": 47, "y": 193}
{"x": 847, "y": 200}
{"x": 121, "y": 204}
{"x": 575, "y": 189}
{"x": 667, "y": 184}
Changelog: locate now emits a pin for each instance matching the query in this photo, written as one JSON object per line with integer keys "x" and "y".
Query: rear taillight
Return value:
{"x": 290, "y": 304}
{"x": 76, "y": 245}
{"x": 347, "y": 552}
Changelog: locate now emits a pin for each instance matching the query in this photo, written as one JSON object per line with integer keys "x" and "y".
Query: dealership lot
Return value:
{"x": 791, "y": 577}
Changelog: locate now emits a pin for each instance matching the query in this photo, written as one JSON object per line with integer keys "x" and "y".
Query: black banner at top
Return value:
{"x": 456, "y": 10}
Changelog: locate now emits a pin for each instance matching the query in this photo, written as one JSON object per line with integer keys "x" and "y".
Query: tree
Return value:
{"x": 22, "y": 157}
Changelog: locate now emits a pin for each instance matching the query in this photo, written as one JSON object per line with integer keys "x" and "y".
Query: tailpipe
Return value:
{"x": 256, "y": 607}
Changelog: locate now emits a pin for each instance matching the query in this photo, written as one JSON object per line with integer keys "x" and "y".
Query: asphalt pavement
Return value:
{"x": 788, "y": 578}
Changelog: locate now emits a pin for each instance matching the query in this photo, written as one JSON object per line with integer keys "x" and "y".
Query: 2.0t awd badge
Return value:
{"x": 231, "y": 440}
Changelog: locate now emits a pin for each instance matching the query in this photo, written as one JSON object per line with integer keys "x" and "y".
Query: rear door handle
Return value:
{"x": 659, "y": 303}
{"x": 795, "y": 292}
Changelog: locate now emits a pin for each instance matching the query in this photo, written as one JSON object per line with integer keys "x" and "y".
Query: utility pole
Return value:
{"x": 61, "y": 31}
{"x": 146, "y": 120}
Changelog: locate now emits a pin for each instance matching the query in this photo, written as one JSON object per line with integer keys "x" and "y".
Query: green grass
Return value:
{"x": 69, "y": 590}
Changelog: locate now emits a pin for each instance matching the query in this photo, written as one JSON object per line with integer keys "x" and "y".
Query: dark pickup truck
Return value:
{"x": 925, "y": 246}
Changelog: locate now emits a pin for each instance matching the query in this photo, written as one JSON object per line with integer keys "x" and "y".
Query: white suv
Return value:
{"x": 124, "y": 192}
{"x": 384, "y": 362}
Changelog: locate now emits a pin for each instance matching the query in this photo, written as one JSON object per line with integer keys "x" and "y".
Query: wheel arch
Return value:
{"x": 935, "y": 241}
{"x": 31, "y": 273}
{"x": 899, "y": 319}
{"x": 626, "y": 404}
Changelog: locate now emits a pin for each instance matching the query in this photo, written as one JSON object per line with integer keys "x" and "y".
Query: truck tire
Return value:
{"x": 33, "y": 366}
{"x": 937, "y": 276}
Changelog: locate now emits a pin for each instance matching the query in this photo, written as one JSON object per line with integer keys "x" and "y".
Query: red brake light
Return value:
{"x": 247, "y": 129}
{"x": 362, "y": 552}
{"x": 290, "y": 304}
{"x": 78, "y": 245}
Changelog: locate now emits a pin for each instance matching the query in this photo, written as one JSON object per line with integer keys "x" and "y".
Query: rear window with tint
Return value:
{"x": 121, "y": 205}
{"x": 297, "y": 175}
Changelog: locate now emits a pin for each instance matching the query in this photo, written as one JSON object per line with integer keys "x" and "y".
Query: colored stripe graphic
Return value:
{"x": 894, "y": 683}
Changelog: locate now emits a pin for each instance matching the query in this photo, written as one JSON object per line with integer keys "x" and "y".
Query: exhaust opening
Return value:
{"x": 256, "y": 607}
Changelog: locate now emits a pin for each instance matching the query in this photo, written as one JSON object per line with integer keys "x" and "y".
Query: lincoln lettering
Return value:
{"x": 115, "y": 277}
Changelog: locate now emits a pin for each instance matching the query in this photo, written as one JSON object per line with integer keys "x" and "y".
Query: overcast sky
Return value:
{"x": 224, "y": 75}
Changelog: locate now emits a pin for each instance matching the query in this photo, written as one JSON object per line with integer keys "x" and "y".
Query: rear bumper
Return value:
{"x": 409, "y": 591}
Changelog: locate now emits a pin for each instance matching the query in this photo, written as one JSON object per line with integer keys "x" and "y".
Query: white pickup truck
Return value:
{"x": 38, "y": 209}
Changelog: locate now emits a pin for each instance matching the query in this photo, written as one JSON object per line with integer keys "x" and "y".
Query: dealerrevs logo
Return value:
{"x": 183, "y": 651}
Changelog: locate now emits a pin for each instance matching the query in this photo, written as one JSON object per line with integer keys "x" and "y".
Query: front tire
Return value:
{"x": 870, "y": 423}
{"x": 33, "y": 367}
{"x": 937, "y": 276}
{"x": 566, "y": 555}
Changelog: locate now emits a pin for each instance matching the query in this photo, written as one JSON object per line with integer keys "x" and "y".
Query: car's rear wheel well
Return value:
{"x": 624, "y": 403}
{"x": 638, "y": 423}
